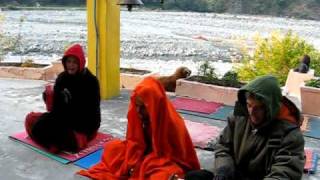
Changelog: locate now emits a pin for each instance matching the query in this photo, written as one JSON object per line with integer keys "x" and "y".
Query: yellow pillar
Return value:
{"x": 103, "y": 18}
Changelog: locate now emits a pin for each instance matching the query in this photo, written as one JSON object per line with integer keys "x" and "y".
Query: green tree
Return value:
{"x": 8, "y": 43}
{"x": 276, "y": 55}
{"x": 218, "y": 6}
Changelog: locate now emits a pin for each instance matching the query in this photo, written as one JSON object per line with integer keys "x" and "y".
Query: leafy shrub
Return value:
{"x": 276, "y": 55}
{"x": 207, "y": 75}
{"x": 231, "y": 79}
{"x": 207, "y": 71}
{"x": 8, "y": 43}
{"x": 313, "y": 83}
{"x": 28, "y": 63}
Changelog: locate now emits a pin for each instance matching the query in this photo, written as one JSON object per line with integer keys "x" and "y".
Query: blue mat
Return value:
{"x": 313, "y": 128}
{"x": 90, "y": 160}
{"x": 222, "y": 113}
{"x": 315, "y": 159}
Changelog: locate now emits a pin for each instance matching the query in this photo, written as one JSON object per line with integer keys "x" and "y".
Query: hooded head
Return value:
{"x": 262, "y": 95}
{"x": 74, "y": 55}
{"x": 306, "y": 60}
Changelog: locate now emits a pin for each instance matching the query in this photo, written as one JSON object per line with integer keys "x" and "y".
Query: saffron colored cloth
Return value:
{"x": 171, "y": 147}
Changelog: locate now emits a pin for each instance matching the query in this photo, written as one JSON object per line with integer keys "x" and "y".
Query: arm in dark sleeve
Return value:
{"x": 303, "y": 68}
{"x": 58, "y": 101}
{"x": 91, "y": 107}
{"x": 224, "y": 161}
{"x": 289, "y": 159}
{"x": 95, "y": 98}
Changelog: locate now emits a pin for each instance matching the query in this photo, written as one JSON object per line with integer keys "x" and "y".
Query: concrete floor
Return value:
{"x": 18, "y": 97}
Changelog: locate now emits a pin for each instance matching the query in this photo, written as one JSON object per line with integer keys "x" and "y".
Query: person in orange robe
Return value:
{"x": 157, "y": 145}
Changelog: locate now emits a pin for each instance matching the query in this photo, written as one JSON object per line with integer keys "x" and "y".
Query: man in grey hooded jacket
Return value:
{"x": 262, "y": 141}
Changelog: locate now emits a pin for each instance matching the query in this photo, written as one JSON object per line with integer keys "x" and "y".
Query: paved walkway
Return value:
{"x": 18, "y": 97}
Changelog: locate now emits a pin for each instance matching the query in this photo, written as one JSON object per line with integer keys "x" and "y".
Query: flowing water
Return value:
{"x": 158, "y": 41}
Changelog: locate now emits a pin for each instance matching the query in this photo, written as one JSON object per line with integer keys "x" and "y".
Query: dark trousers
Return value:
{"x": 52, "y": 135}
{"x": 199, "y": 175}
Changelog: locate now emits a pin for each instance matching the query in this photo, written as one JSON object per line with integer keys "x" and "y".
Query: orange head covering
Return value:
{"x": 172, "y": 149}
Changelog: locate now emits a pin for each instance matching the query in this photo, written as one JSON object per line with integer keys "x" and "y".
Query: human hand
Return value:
{"x": 66, "y": 95}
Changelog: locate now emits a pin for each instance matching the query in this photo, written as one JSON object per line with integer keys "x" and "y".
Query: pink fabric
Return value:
{"x": 93, "y": 145}
{"x": 201, "y": 106}
{"x": 308, "y": 163}
{"x": 201, "y": 133}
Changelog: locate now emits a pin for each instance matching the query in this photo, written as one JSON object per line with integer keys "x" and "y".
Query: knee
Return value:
{"x": 31, "y": 120}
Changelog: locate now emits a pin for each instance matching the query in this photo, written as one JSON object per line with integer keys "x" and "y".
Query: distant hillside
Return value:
{"x": 306, "y": 9}
{"x": 42, "y": 2}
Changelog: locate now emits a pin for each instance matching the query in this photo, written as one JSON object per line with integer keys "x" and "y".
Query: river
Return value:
{"x": 155, "y": 40}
